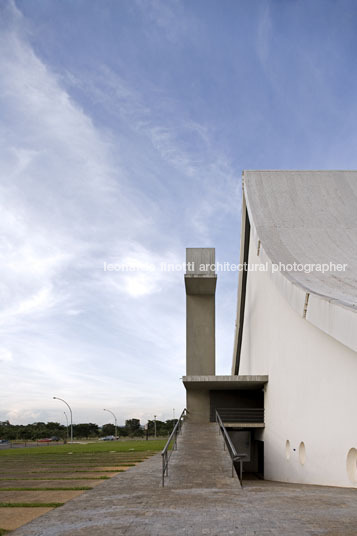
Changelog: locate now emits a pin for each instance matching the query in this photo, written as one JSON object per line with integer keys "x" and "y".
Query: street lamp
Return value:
{"x": 70, "y": 411}
{"x": 155, "y": 425}
{"x": 65, "y": 414}
{"x": 115, "y": 422}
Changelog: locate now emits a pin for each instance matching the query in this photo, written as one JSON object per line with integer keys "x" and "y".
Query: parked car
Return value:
{"x": 107, "y": 438}
{"x": 4, "y": 440}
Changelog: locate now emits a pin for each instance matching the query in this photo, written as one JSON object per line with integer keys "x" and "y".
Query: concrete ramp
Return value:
{"x": 200, "y": 460}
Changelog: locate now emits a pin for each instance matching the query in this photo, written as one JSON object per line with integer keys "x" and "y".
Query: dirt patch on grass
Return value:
{"x": 48, "y": 483}
{"x": 56, "y": 471}
{"x": 116, "y": 468}
{"x": 38, "y": 496}
{"x": 13, "y": 518}
{"x": 58, "y": 474}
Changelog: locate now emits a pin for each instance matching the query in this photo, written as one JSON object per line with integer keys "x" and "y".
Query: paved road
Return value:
{"x": 134, "y": 504}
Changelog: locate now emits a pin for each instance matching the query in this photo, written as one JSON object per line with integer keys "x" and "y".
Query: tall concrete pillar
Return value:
{"x": 200, "y": 283}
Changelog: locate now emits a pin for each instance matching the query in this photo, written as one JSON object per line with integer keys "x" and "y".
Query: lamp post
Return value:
{"x": 70, "y": 411}
{"x": 65, "y": 414}
{"x": 115, "y": 422}
{"x": 155, "y": 425}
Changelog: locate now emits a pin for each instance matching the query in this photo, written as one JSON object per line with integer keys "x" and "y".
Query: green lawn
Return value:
{"x": 70, "y": 463}
{"x": 154, "y": 445}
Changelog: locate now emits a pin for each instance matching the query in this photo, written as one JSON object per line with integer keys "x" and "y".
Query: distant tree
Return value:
{"x": 170, "y": 425}
{"x": 8, "y": 431}
{"x": 108, "y": 429}
{"x": 86, "y": 430}
{"x": 122, "y": 431}
{"x": 159, "y": 428}
{"x": 5, "y": 423}
{"x": 162, "y": 428}
{"x": 24, "y": 432}
{"x": 33, "y": 431}
{"x": 38, "y": 430}
{"x": 133, "y": 427}
{"x": 53, "y": 426}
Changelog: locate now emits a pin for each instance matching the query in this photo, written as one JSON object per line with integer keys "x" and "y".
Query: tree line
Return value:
{"x": 40, "y": 430}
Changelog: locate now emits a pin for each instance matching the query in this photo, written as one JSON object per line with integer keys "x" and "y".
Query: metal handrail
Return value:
{"x": 231, "y": 449}
{"x": 166, "y": 453}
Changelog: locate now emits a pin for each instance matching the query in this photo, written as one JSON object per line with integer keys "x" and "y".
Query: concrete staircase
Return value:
{"x": 200, "y": 460}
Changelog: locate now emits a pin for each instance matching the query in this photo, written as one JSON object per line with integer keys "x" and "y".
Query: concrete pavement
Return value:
{"x": 191, "y": 504}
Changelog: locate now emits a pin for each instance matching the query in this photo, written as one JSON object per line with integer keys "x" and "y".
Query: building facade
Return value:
{"x": 295, "y": 350}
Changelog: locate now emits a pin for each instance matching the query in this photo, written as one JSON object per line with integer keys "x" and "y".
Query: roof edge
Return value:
{"x": 330, "y": 315}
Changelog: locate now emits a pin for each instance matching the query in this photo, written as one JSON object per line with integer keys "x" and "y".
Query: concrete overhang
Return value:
{"x": 221, "y": 383}
{"x": 314, "y": 225}
{"x": 200, "y": 284}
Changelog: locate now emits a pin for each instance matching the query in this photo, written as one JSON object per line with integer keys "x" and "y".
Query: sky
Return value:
{"x": 124, "y": 129}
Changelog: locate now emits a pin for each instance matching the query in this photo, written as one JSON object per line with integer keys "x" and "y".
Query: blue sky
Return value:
{"x": 125, "y": 126}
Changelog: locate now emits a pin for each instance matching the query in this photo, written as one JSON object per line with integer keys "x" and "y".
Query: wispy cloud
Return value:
{"x": 67, "y": 206}
{"x": 184, "y": 146}
{"x": 127, "y": 178}
{"x": 167, "y": 16}
{"x": 264, "y": 33}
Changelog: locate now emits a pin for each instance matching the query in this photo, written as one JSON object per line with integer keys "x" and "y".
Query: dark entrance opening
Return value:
{"x": 242, "y": 413}
{"x": 245, "y": 443}
{"x": 235, "y": 406}
{"x": 260, "y": 445}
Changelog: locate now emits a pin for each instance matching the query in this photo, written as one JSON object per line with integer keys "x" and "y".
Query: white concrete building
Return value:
{"x": 290, "y": 403}
{"x": 299, "y": 326}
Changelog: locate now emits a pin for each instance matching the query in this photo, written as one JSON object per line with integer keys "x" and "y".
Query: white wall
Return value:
{"x": 312, "y": 391}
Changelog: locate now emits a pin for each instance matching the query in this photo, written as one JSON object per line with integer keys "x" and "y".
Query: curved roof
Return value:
{"x": 308, "y": 217}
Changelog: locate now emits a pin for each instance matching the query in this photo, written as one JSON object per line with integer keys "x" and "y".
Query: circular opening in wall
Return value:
{"x": 287, "y": 449}
{"x": 302, "y": 453}
{"x": 351, "y": 464}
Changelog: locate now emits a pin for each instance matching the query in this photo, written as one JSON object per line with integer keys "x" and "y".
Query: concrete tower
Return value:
{"x": 200, "y": 283}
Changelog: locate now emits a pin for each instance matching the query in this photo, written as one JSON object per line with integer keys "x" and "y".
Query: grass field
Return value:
{"x": 36, "y": 479}
{"x": 109, "y": 446}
